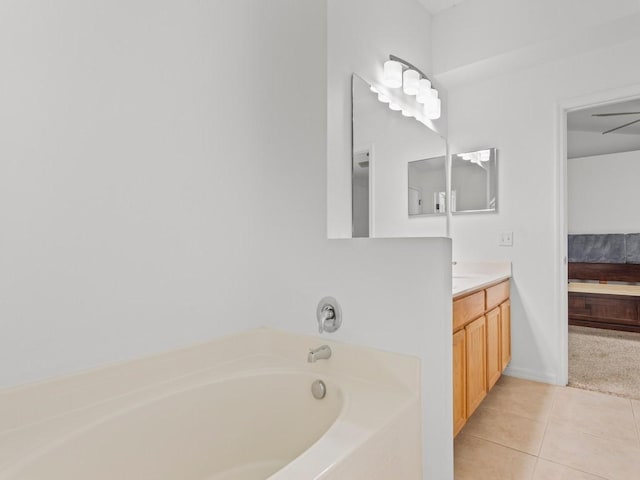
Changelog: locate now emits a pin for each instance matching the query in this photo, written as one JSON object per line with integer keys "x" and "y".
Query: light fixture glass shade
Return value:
{"x": 433, "y": 108}
{"x": 407, "y": 113}
{"x": 392, "y": 76}
{"x": 411, "y": 82}
{"x": 395, "y": 107}
{"x": 383, "y": 98}
{"x": 424, "y": 91}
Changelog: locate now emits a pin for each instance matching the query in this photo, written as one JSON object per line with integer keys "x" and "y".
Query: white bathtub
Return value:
{"x": 246, "y": 414}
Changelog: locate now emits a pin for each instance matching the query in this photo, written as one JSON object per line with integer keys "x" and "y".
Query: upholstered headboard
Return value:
{"x": 605, "y": 257}
{"x": 605, "y": 248}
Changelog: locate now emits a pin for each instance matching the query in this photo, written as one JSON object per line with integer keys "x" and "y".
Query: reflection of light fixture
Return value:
{"x": 392, "y": 74}
{"x": 400, "y": 73}
{"x": 478, "y": 158}
{"x": 433, "y": 104}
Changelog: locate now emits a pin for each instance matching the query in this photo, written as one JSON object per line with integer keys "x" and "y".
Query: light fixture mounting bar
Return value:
{"x": 409, "y": 65}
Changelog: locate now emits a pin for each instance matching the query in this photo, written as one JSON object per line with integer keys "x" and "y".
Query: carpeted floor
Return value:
{"x": 605, "y": 361}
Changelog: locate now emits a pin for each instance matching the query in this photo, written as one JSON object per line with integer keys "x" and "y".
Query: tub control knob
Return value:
{"x": 329, "y": 315}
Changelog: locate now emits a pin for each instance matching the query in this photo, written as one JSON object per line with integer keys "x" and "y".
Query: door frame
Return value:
{"x": 563, "y": 107}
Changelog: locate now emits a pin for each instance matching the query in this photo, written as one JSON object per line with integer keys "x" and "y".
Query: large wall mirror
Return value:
{"x": 474, "y": 181}
{"x": 386, "y": 144}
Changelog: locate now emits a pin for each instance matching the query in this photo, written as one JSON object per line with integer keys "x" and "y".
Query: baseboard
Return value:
{"x": 532, "y": 375}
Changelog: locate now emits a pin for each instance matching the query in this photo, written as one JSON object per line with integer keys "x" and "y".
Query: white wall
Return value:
{"x": 517, "y": 112}
{"x": 586, "y": 144}
{"x": 362, "y": 35}
{"x": 150, "y": 199}
{"x": 603, "y": 193}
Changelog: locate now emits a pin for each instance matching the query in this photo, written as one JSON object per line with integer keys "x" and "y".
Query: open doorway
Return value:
{"x": 603, "y": 247}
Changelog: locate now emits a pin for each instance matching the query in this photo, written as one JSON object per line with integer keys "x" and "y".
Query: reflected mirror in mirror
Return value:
{"x": 428, "y": 186}
{"x": 474, "y": 181}
{"x": 385, "y": 141}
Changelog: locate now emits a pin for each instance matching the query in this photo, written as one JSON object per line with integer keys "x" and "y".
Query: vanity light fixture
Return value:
{"x": 400, "y": 73}
{"x": 392, "y": 76}
{"x": 411, "y": 82}
{"x": 433, "y": 105}
{"x": 424, "y": 91}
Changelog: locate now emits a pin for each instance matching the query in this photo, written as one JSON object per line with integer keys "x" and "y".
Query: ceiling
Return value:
{"x": 435, "y": 6}
{"x": 584, "y": 121}
{"x": 585, "y": 132}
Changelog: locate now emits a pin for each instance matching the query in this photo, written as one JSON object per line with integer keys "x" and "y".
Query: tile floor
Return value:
{"x": 532, "y": 431}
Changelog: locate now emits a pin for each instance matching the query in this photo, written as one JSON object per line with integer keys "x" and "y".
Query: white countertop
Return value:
{"x": 470, "y": 276}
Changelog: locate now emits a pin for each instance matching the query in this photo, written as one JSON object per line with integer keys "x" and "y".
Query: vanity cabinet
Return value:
{"x": 481, "y": 347}
{"x": 494, "y": 355}
{"x": 476, "y": 335}
{"x": 459, "y": 380}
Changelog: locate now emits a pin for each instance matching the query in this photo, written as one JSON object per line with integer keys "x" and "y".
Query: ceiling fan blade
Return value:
{"x": 613, "y": 114}
{"x": 621, "y": 126}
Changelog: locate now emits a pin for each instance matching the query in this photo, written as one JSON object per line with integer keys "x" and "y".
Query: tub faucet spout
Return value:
{"x": 321, "y": 353}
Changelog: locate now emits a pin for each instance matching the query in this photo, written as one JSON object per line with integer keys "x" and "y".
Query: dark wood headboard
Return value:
{"x": 605, "y": 272}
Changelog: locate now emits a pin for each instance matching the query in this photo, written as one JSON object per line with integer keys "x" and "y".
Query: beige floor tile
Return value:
{"x": 592, "y": 399}
{"x": 546, "y": 470}
{"x": 596, "y": 413}
{"x": 636, "y": 410}
{"x": 612, "y": 459}
{"x": 527, "y": 399}
{"x": 477, "y": 459}
{"x": 508, "y": 429}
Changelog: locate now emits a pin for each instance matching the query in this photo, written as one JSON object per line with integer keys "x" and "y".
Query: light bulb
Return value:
{"x": 411, "y": 82}
{"x": 395, "y": 107}
{"x": 392, "y": 76}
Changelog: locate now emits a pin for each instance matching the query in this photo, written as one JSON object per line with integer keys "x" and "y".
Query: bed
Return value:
{"x": 604, "y": 281}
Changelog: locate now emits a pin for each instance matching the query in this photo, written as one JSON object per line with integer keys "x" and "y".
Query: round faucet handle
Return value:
{"x": 329, "y": 315}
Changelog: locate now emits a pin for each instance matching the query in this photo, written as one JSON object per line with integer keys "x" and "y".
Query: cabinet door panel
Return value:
{"x": 505, "y": 333}
{"x": 497, "y": 294}
{"x": 466, "y": 309}
{"x": 459, "y": 381}
{"x": 476, "y": 346}
{"x": 494, "y": 357}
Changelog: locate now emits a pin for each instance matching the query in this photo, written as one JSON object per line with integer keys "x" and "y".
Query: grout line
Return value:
{"x": 493, "y": 442}
{"x": 573, "y": 468}
{"x": 636, "y": 419}
{"x": 535, "y": 468}
{"x": 548, "y": 420}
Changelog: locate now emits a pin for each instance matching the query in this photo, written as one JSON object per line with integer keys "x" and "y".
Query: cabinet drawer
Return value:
{"x": 467, "y": 309}
{"x": 497, "y": 294}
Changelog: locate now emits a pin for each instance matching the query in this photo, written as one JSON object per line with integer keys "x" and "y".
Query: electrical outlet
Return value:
{"x": 505, "y": 239}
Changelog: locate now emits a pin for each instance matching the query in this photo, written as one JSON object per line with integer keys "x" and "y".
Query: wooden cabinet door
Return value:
{"x": 494, "y": 357}
{"x": 459, "y": 381}
{"x": 505, "y": 333}
{"x": 476, "y": 346}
